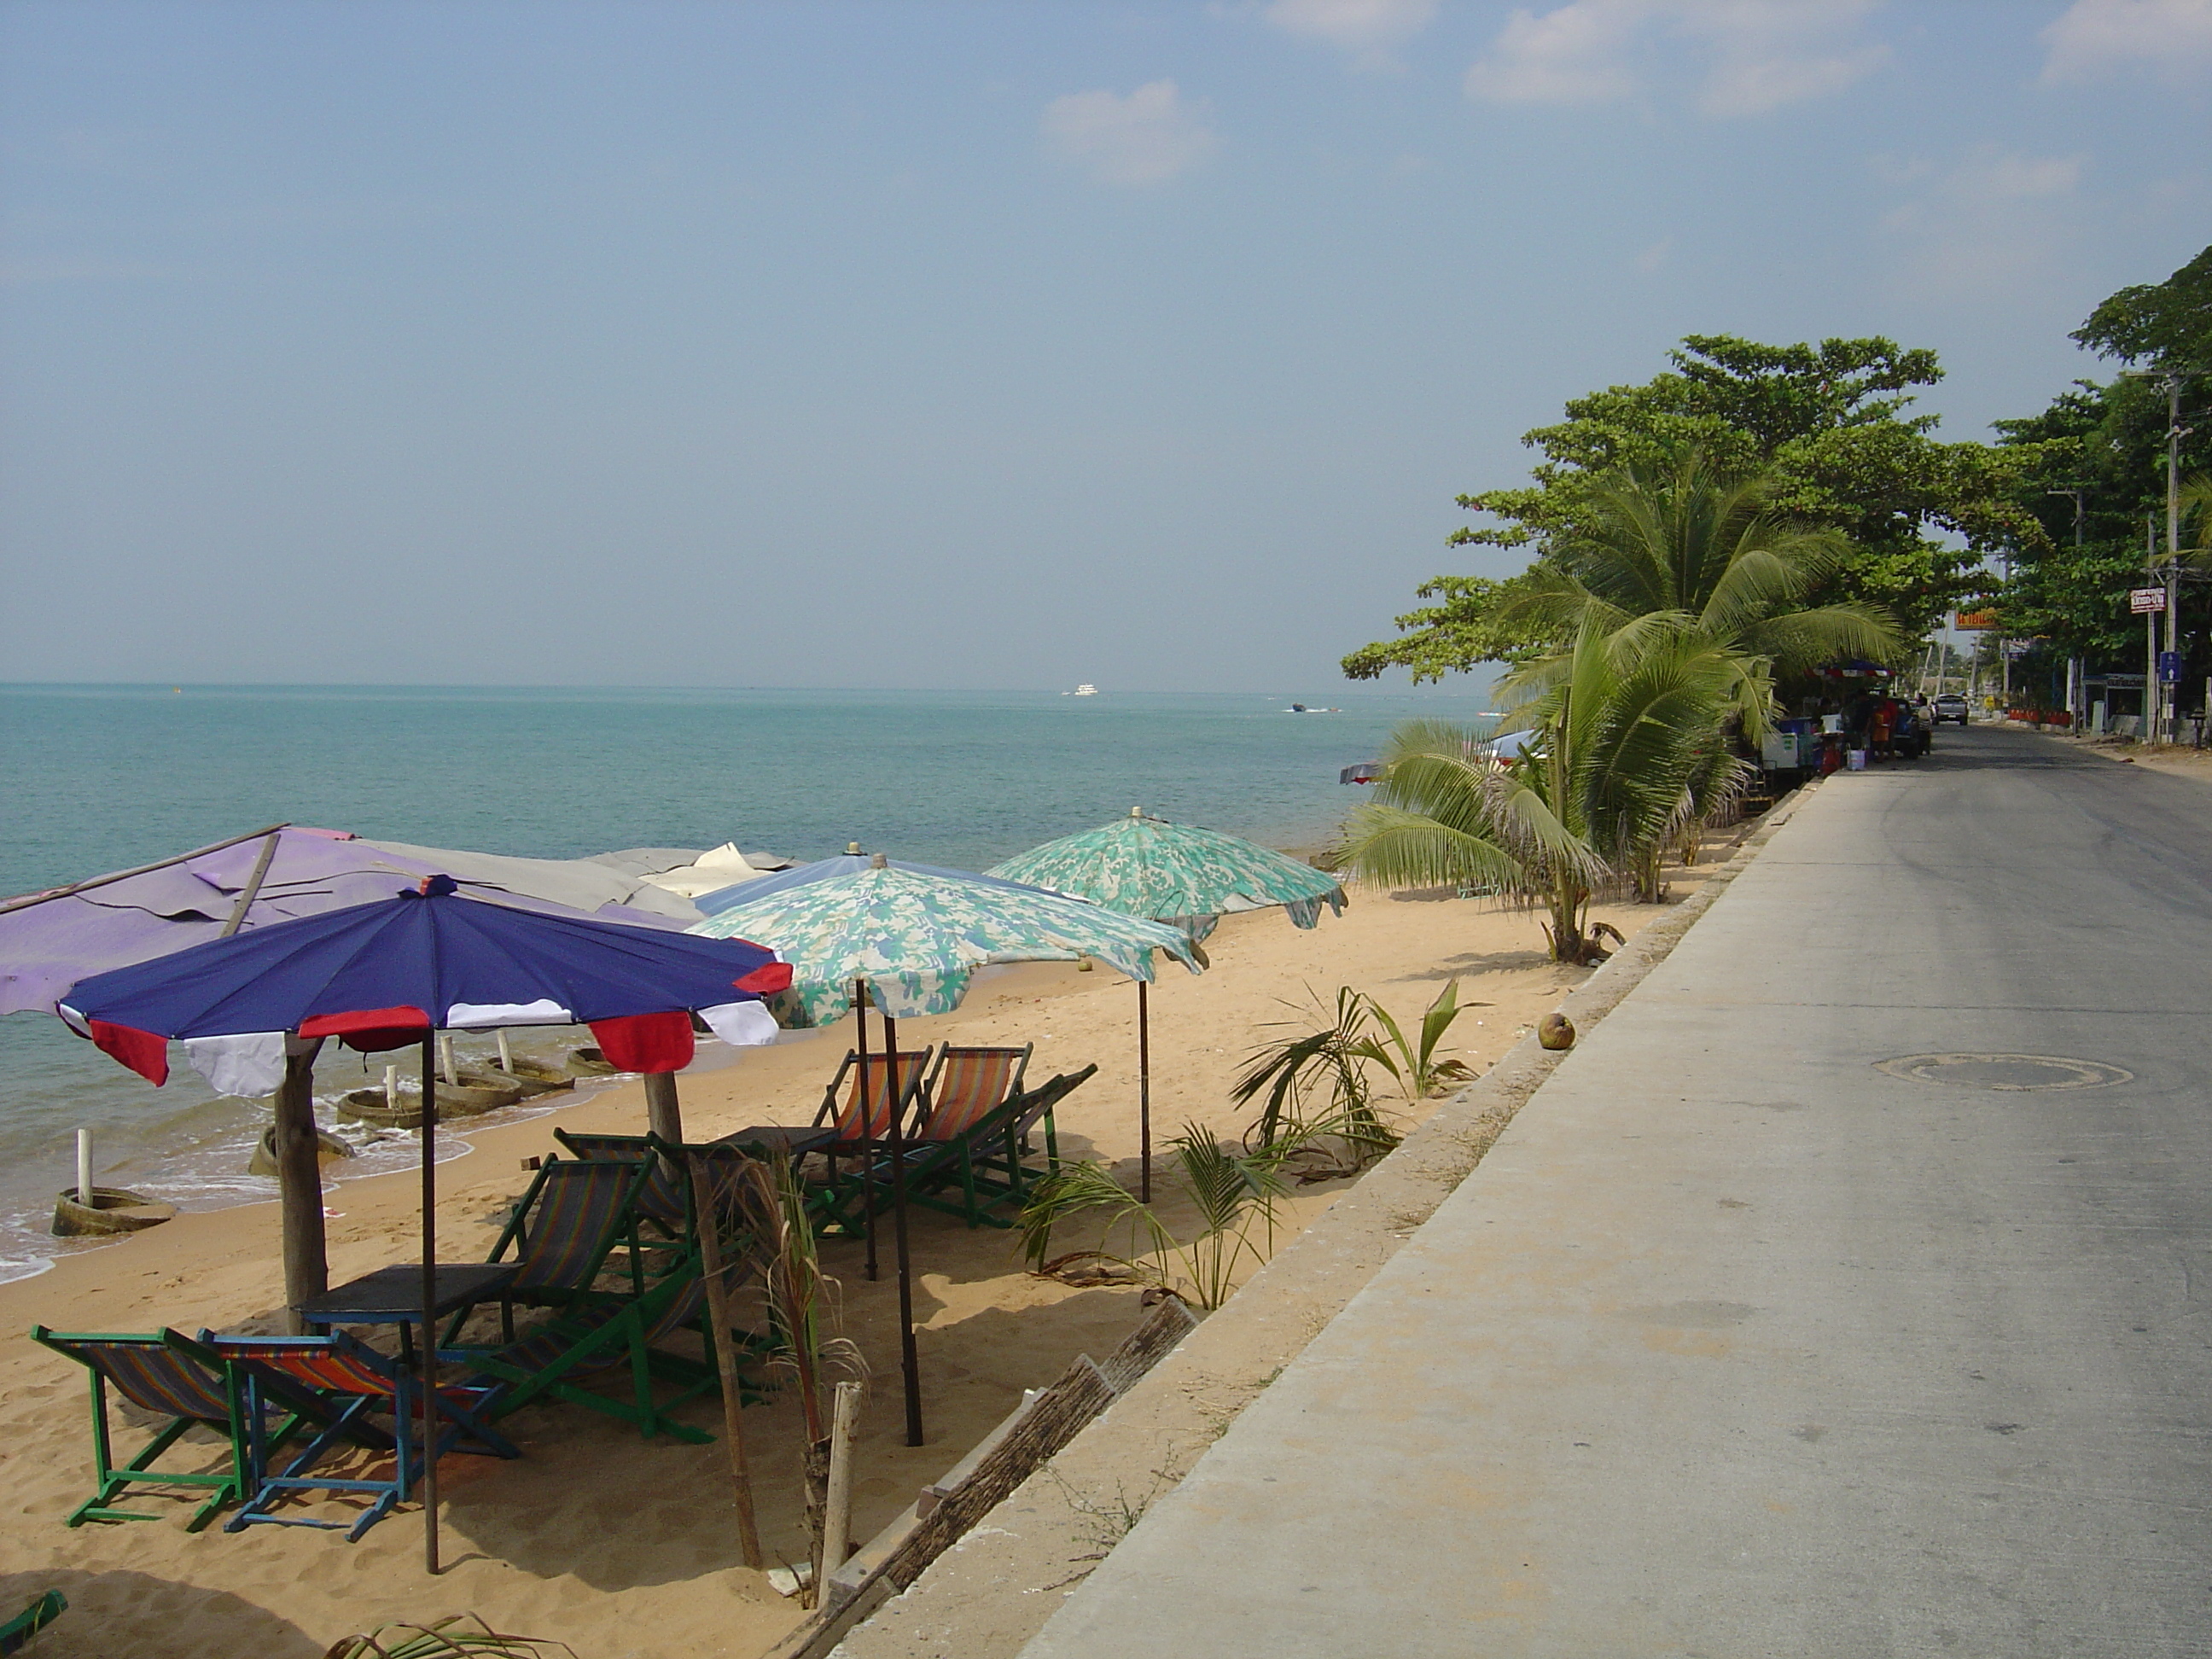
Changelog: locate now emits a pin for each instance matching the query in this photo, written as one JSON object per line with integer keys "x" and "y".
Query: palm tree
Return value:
{"x": 1627, "y": 749}
{"x": 1691, "y": 551}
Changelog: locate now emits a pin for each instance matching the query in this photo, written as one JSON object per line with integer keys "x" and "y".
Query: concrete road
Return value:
{"x": 1737, "y": 1344}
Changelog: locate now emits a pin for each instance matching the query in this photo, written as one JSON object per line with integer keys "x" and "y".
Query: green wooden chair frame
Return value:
{"x": 170, "y": 1374}
{"x": 572, "y": 1234}
{"x": 984, "y": 1161}
{"x": 586, "y": 1345}
{"x": 33, "y": 1619}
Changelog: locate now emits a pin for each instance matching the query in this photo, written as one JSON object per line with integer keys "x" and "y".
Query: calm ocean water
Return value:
{"x": 97, "y": 778}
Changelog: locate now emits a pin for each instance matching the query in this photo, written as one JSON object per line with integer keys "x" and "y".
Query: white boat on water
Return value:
{"x": 1086, "y": 690}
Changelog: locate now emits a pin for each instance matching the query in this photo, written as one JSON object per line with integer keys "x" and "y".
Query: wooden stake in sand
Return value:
{"x": 706, "y": 1206}
{"x": 837, "y": 1506}
{"x": 300, "y": 1186}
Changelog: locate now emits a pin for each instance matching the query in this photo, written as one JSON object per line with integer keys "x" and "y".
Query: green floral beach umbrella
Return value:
{"x": 1176, "y": 873}
{"x": 915, "y": 939}
{"x": 1183, "y": 876}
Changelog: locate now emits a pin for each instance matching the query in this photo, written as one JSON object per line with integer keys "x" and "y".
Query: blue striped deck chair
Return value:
{"x": 355, "y": 1382}
{"x": 167, "y": 1374}
{"x": 566, "y": 1225}
{"x": 665, "y": 1200}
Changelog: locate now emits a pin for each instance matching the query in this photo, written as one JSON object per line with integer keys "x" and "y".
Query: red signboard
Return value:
{"x": 1969, "y": 621}
{"x": 2142, "y": 600}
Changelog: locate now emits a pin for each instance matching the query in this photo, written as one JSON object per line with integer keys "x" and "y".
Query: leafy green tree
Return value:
{"x": 2107, "y": 443}
{"x": 1680, "y": 547}
{"x": 1830, "y": 424}
{"x": 2168, "y": 323}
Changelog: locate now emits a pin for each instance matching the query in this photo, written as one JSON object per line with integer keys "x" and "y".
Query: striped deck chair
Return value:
{"x": 665, "y": 1200}
{"x": 171, "y": 1375}
{"x": 841, "y": 1119}
{"x": 580, "y": 1353}
{"x": 566, "y": 1225}
{"x": 979, "y": 1151}
{"x": 967, "y": 1086}
{"x": 355, "y": 1382}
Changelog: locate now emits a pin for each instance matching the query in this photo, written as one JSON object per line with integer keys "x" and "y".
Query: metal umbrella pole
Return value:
{"x": 1143, "y": 1093}
{"x": 909, "y": 1361}
{"x": 867, "y": 1116}
{"x": 428, "y": 1360}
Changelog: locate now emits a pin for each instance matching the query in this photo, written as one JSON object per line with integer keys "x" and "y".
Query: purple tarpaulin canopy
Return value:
{"x": 46, "y": 947}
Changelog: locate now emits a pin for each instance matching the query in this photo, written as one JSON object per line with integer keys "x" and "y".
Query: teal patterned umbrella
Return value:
{"x": 1176, "y": 873}
{"x": 1183, "y": 876}
{"x": 915, "y": 938}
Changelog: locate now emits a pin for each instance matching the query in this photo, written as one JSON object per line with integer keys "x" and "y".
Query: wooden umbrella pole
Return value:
{"x": 867, "y": 1113}
{"x": 1143, "y": 1093}
{"x": 252, "y": 891}
{"x": 663, "y": 1114}
{"x": 73, "y": 888}
{"x": 300, "y": 1188}
{"x": 909, "y": 1361}
{"x": 427, "y": 1358}
{"x": 726, "y": 1355}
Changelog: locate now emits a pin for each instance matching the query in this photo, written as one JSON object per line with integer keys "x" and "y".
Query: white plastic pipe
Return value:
{"x": 392, "y": 1089}
{"x": 506, "y": 1055}
{"x": 446, "y": 1057}
{"x": 84, "y": 1167}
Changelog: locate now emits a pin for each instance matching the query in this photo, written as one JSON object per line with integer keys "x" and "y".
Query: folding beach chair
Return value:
{"x": 355, "y": 1382}
{"x": 840, "y": 1122}
{"x": 583, "y": 1351}
{"x": 665, "y": 1200}
{"x": 979, "y": 1150}
{"x": 563, "y": 1231}
{"x": 173, "y": 1378}
{"x": 966, "y": 1085}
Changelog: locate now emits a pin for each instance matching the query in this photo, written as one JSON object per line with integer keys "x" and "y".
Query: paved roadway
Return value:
{"x": 1737, "y": 1347}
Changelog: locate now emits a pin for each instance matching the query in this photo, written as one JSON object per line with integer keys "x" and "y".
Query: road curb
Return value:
{"x": 990, "y": 1593}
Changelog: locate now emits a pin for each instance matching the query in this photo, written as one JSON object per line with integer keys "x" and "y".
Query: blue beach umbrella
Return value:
{"x": 394, "y": 973}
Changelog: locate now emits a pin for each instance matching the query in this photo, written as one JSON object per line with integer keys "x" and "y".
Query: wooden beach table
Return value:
{"x": 393, "y": 1295}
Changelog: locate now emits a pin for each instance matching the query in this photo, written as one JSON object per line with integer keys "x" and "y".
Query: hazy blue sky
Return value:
{"x": 964, "y": 345}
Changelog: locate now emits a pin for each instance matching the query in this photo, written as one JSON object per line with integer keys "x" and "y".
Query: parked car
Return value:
{"x": 1948, "y": 707}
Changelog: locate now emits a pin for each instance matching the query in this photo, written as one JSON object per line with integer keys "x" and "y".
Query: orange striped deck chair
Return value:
{"x": 356, "y": 1380}
{"x": 968, "y": 1085}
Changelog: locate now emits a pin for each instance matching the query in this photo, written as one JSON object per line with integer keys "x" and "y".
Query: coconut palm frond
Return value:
{"x": 1395, "y": 847}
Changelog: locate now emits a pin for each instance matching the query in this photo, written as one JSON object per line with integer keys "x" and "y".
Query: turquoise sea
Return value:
{"x": 100, "y": 778}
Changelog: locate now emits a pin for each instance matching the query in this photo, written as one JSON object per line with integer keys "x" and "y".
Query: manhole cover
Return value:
{"x": 2004, "y": 1071}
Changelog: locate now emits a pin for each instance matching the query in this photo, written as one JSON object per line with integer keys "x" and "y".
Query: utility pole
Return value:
{"x": 2153, "y": 697}
{"x": 2074, "y": 663}
{"x": 2169, "y": 706}
{"x": 2169, "y": 702}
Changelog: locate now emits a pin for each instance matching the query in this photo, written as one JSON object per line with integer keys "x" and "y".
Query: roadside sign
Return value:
{"x": 2018, "y": 648}
{"x": 1969, "y": 621}
{"x": 2142, "y": 599}
{"x": 2120, "y": 682}
{"x": 2169, "y": 668}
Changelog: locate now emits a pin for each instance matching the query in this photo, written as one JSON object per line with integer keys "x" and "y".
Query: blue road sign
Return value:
{"x": 2169, "y": 668}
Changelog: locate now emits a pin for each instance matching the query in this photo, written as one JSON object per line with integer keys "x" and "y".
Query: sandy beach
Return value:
{"x": 624, "y": 1547}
